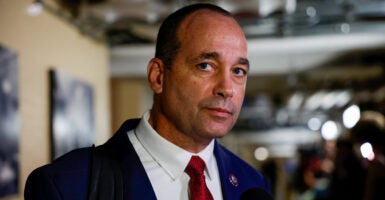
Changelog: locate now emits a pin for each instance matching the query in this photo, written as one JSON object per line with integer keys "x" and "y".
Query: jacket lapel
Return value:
{"x": 136, "y": 184}
{"x": 231, "y": 187}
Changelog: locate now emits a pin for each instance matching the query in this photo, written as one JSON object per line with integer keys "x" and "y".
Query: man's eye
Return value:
{"x": 204, "y": 66}
{"x": 240, "y": 72}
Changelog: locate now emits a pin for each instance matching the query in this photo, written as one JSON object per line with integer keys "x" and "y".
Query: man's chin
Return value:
{"x": 216, "y": 128}
{"x": 218, "y": 133}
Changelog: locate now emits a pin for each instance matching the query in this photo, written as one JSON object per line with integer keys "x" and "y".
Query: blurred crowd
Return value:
{"x": 350, "y": 167}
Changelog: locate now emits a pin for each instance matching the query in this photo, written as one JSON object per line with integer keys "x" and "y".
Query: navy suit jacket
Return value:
{"x": 67, "y": 177}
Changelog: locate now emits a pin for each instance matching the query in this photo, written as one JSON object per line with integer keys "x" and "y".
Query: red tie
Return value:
{"x": 197, "y": 184}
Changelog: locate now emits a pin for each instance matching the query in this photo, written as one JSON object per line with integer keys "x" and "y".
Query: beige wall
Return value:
{"x": 130, "y": 97}
{"x": 43, "y": 42}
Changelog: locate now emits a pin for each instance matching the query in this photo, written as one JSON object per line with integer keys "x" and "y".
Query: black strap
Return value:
{"x": 106, "y": 177}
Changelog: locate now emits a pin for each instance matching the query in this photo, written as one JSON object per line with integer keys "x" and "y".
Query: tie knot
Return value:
{"x": 195, "y": 167}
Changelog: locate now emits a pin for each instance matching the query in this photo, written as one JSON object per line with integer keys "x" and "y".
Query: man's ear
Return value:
{"x": 155, "y": 74}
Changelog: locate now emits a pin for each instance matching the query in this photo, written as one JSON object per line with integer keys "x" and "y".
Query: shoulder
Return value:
{"x": 68, "y": 176}
{"x": 65, "y": 176}
{"x": 75, "y": 160}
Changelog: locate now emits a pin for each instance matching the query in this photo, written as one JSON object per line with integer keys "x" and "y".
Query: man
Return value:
{"x": 198, "y": 77}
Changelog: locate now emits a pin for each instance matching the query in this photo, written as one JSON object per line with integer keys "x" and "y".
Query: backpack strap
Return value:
{"x": 106, "y": 182}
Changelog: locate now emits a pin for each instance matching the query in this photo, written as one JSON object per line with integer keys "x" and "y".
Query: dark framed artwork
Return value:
{"x": 9, "y": 123}
{"x": 72, "y": 113}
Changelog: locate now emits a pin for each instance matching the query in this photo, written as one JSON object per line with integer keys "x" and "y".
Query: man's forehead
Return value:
{"x": 200, "y": 18}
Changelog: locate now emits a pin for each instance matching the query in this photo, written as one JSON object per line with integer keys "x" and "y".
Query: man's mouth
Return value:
{"x": 220, "y": 112}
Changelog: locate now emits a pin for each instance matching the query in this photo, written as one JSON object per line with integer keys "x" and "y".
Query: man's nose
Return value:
{"x": 224, "y": 85}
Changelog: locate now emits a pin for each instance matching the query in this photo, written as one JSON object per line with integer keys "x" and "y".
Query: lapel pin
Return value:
{"x": 233, "y": 180}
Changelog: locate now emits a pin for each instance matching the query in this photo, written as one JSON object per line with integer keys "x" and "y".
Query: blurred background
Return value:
{"x": 312, "y": 119}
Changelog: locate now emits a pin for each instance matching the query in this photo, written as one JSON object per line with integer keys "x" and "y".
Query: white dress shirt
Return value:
{"x": 165, "y": 162}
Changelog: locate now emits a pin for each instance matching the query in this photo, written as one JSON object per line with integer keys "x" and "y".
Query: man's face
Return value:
{"x": 203, "y": 91}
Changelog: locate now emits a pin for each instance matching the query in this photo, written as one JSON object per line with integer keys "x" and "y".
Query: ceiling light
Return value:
{"x": 367, "y": 151}
{"x": 261, "y": 153}
{"x": 329, "y": 130}
{"x": 314, "y": 123}
{"x": 351, "y": 116}
{"x": 35, "y": 8}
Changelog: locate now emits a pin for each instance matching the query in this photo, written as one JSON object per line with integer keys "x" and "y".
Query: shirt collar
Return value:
{"x": 208, "y": 156}
{"x": 169, "y": 156}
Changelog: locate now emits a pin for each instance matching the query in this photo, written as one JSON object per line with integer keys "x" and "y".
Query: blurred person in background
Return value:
{"x": 308, "y": 177}
{"x": 347, "y": 180}
{"x": 370, "y": 132}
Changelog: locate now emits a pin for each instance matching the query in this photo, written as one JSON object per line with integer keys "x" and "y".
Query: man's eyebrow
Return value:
{"x": 244, "y": 61}
{"x": 215, "y": 55}
{"x": 203, "y": 56}
{"x": 208, "y": 55}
